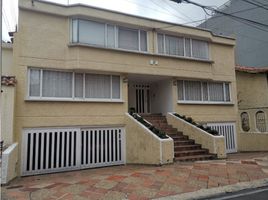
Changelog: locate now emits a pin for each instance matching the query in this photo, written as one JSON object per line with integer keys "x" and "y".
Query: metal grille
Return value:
{"x": 61, "y": 149}
{"x": 229, "y": 132}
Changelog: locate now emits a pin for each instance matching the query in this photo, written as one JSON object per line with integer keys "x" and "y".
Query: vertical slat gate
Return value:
{"x": 229, "y": 133}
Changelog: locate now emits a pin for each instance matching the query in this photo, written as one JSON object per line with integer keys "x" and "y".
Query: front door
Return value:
{"x": 139, "y": 98}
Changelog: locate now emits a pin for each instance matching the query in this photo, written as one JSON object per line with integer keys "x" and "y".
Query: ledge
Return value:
{"x": 74, "y": 100}
{"x": 139, "y": 52}
{"x": 205, "y": 103}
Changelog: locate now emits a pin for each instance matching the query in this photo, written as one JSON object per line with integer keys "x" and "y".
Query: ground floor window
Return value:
{"x": 55, "y": 84}
{"x": 203, "y": 91}
{"x": 260, "y": 121}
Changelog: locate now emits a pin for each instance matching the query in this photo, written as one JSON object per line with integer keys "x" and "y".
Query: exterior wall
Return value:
{"x": 246, "y": 83}
{"x": 143, "y": 147}
{"x": 7, "y": 59}
{"x": 215, "y": 144}
{"x": 252, "y": 102}
{"x": 43, "y": 41}
{"x": 251, "y": 45}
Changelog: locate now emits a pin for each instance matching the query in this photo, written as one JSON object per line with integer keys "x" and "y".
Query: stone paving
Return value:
{"x": 138, "y": 181}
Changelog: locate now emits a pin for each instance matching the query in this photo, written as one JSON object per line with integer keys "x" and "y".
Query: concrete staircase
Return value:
{"x": 185, "y": 149}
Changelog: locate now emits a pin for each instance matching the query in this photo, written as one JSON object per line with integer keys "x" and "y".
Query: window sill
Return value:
{"x": 206, "y": 103}
{"x": 74, "y": 100}
{"x": 140, "y": 52}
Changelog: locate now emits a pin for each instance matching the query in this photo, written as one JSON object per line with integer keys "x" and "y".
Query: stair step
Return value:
{"x": 179, "y": 137}
{"x": 183, "y": 142}
{"x": 195, "y": 158}
{"x": 190, "y": 152}
{"x": 187, "y": 147}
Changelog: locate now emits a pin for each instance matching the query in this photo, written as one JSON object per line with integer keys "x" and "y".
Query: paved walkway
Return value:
{"x": 139, "y": 181}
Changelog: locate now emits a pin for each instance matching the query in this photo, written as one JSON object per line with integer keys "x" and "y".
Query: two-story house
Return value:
{"x": 80, "y": 69}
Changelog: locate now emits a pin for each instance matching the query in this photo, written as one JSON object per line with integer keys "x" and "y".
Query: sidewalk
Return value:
{"x": 139, "y": 181}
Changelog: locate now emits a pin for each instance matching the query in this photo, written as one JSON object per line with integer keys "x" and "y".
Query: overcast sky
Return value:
{"x": 165, "y": 10}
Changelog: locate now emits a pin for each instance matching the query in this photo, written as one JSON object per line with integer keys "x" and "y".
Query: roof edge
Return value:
{"x": 250, "y": 69}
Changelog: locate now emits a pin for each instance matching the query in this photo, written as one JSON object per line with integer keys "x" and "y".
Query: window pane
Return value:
{"x": 227, "y": 92}
{"x": 128, "y": 39}
{"x": 116, "y": 87}
{"x": 143, "y": 40}
{"x": 200, "y": 49}
{"x": 57, "y": 84}
{"x": 192, "y": 90}
{"x": 216, "y": 91}
{"x": 205, "y": 91}
{"x": 91, "y": 32}
{"x": 174, "y": 45}
{"x": 180, "y": 90}
{"x": 74, "y": 30}
{"x": 34, "y": 82}
{"x": 78, "y": 85}
{"x": 260, "y": 121}
{"x": 97, "y": 86}
{"x": 110, "y": 36}
{"x": 160, "y": 42}
{"x": 245, "y": 121}
{"x": 187, "y": 47}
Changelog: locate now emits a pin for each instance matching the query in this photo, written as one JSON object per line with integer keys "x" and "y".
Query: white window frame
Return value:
{"x": 116, "y": 31}
{"x": 184, "y": 101}
{"x": 73, "y": 98}
{"x": 184, "y": 47}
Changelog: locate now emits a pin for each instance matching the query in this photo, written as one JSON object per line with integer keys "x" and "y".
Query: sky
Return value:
{"x": 164, "y": 10}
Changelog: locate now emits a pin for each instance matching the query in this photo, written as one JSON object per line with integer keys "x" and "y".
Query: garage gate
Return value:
{"x": 48, "y": 150}
{"x": 229, "y": 132}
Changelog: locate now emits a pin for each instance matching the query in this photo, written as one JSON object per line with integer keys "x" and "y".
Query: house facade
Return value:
{"x": 80, "y": 69}
{"x": 253, "y": 108}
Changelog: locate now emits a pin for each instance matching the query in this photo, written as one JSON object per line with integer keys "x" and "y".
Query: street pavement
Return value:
{"x": 145, "y": 182}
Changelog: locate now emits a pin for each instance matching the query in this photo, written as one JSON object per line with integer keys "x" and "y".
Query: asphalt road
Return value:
{"x": 251, "y": 194}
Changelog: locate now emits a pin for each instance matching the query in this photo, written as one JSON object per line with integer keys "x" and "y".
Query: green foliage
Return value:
{"x": 159, "y": 133}
{"x": 191, "y": 121}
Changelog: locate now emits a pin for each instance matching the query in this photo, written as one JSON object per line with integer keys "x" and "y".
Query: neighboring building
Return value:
{"x": 251, "y": 39}
{"x": 80, "y": 69}
{"x": 252, "y": 94}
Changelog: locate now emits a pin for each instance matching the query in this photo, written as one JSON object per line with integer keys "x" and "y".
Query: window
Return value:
{"x": 52, "y": 84}
{"x": 260, "y": 121}
{"x": 107, "y": 35}
{"x": 245, "y": 121}
{"x": 180, "y": 46}
{"x": 200, "y": 91}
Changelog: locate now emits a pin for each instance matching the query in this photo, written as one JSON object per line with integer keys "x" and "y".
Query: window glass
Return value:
{"x": 91, "y": 32}
{"x": 57, "y": 84}
{"x": 187, "y": 47}
{"x": 75, "y": 30}
{"x": 216, "y": 91}
{"x": 205, "y": 91}
{"x": 110, "y": 36}
{"x": 260, "y": 121}
{"x": 128, "y": 38}
{"x": 97, "y": 86}
{"x": 34, "y": 83}
{"x": 78, "y": 85}
{"x": 192, "y": 90}
{"x": 160, "y": 41}
{"x": 245, "y": 121}
{"x": 180, "y": 90}
{"x": 174, "y": 45}
{"x": 116, "y": 87}
{"x": 143, "y": 40}
{"x": 200, "y": 49}
{"x": 227, "y": 92}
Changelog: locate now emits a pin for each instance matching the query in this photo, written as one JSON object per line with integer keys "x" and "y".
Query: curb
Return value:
{"x": 205, "y": 193}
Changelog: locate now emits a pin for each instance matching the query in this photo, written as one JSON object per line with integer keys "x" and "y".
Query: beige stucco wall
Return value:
{"x": 215, "y": 144}
{"x": 7, "y": 114}
{"x": 7, "y": 59}
{"x": 143, "y": 147}
{"x": 252, "y": 92}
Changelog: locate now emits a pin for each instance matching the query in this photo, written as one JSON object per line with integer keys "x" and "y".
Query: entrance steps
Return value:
{"x": 185, "y": 149}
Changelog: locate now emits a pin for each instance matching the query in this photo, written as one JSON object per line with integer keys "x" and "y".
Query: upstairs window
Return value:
{"x": 201, "y": 91}
{"x": 108, "y": 35}
{"x": 52, "y": 84}
{"x": 180, "y": 46}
